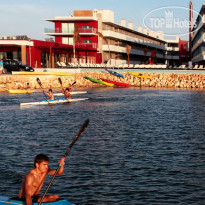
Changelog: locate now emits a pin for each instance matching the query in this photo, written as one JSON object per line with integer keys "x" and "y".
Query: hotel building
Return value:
{"x": 101, "y": 41}
{"x": 98, "y": 30}
{"x": 198, "y": 39}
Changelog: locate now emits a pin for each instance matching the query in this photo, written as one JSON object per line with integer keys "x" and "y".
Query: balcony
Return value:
{"x": 172, "y": 48}
{"x": 124, "y": 37}
{"x": 60, "y": 31}
{"x": 120, "y": 49}
{"x": 86, "y": 45}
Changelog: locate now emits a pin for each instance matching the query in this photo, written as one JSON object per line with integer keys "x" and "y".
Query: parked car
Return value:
{"x": 14, "y": 65}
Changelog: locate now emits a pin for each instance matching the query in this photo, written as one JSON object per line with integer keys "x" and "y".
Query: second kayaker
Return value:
{"x": 66, "y": 93}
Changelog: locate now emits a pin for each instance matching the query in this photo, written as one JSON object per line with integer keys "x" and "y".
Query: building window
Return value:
{"x": 86, "y": 27}
{"x": 68, "y": 41}
{"x": 87, "y": 41}
{"x": 67, "y": 27}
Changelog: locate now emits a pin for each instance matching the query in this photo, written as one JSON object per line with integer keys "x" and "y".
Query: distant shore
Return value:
{"x": 158, "y": 80}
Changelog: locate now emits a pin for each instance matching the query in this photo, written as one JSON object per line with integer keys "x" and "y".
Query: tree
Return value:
{"x": 76, "y": 39}
{"x": 128, "y": 49}
{"x": 106, "y": 41}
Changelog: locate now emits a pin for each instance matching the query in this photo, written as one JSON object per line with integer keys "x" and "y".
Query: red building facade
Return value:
{"x": 183, "y": 52}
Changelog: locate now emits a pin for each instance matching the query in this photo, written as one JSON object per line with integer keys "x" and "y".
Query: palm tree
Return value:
{"x": 128, "y": 49}
{"x": 106, "y": 41}
{"x": 145, "y": 54}
{"x": 76, "y": 39}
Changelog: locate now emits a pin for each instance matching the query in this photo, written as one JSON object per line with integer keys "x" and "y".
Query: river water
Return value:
{"x": 142, "y": 146}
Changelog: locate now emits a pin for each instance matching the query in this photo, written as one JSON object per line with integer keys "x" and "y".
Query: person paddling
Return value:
{"x": 66, "y": 93}
{"x": 34, "y": 179}
{"x": 50, "y": 94}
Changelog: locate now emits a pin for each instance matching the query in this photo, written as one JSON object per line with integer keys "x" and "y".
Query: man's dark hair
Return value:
{"x": 50, "y": 90}
{"x": 67, "y": 89}
{"x": 40, "y": 158}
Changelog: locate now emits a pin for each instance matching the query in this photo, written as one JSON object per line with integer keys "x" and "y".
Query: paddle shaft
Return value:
{"x": 39, "y": 82}
{"x": 60, "y": 81}
{"x": 65, "y": 155}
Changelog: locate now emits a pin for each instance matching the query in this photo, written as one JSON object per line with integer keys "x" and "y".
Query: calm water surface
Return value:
{"x": 142, "y": 146}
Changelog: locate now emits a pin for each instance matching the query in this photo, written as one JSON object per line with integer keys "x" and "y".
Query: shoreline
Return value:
{"x": 158, "y": 80}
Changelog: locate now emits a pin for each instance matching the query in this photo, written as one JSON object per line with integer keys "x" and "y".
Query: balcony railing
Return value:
{"x": 70, "y": 31}
{"x": 86, "y": 45}
{"x": 91, "y": 30}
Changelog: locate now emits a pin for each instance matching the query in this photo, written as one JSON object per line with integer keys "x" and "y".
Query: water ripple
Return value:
{"x": 141, "y": 146}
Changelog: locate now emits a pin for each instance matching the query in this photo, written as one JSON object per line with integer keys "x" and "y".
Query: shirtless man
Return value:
{"x": 66, "y": 93}
{"x": 50, "y": 94}
{"x": 34, "y": 179}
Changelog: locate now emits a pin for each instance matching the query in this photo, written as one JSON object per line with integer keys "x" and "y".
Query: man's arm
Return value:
{"x": 62, "y": 91}
{"x": 22, "y": 187}
{"x": 28, "y": 188}
{"x": 46, "y": 93}
{"x": 60, "y": 172}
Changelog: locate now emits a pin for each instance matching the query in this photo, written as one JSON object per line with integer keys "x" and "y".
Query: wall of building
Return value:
{"x": 183, "y": 52}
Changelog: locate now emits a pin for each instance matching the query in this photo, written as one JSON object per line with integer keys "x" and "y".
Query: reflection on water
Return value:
{"x": 142, "y": 146}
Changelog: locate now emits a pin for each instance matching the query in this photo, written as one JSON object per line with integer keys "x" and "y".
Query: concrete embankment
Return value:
{"x": 158, "y": 80}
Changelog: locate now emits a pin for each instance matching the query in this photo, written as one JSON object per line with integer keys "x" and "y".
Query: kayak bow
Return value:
{"x": 116, "y": 83}
{"x": 115, "y": 73}
{"x": 140, "y": 75}
{"x": 22, "y": 91}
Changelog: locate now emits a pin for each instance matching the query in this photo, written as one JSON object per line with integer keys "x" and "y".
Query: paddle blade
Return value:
{"x": 73, "y": 83}
{"x": 39, "y": 82}
{"x": 82, "y": 129}
{"x": 60, "y": 81}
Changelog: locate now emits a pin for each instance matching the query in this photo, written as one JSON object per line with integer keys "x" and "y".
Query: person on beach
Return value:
{"x": 50, "y": 94}
{"x": 28, "y": 86}
{"x": 1, "y": 65}
{"x": 34, "y": 179}
{"x": 22, "y": 88}
{"x": 66, "y": 93}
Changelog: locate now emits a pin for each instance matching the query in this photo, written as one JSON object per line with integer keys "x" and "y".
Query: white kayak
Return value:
{"x": 45, "y": 102}
{"x": 72, "y": 93}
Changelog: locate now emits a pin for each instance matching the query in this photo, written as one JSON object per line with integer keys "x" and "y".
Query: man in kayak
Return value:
{"x": 66, "y": 93}
{"x": 34, "y": 179}
{"x": 50, "y": 94}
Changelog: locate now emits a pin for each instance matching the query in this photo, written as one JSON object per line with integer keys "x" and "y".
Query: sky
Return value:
{"x": 26, "y": 17}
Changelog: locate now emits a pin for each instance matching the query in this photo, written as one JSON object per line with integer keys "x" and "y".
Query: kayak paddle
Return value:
{"x": 39, "y": 82}
{"x": 82, "y": 129}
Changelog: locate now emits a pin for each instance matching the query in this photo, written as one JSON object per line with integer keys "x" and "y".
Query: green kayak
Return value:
{"x": 94, "y": 80}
